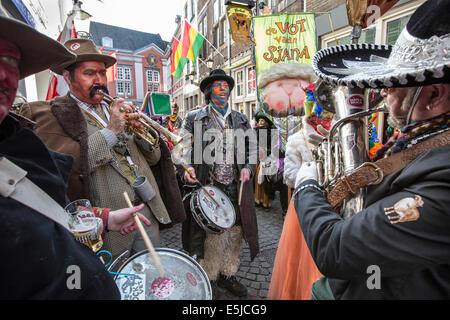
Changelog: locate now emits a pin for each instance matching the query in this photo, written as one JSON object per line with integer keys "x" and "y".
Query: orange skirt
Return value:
{"x": 294, "y": 270}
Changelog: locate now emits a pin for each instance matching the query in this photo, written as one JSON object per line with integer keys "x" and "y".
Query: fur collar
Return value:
{"x": 69, "y": 115}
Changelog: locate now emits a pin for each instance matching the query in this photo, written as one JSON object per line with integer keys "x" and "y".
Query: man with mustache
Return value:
{"x": 107, "y": 160}
{"x": 38, "y": 248}
{"x": 218, "y": 253}
{"x": 397, "y": 246}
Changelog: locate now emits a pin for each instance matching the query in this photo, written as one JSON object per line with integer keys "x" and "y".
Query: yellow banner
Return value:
{"x": 283, "y": 38}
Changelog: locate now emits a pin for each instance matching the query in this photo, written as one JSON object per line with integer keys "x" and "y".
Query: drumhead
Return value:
{"x": 224, "y": 217}
{"x": 184, "y": 278}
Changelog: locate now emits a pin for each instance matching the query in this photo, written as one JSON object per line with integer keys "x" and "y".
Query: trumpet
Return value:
{"x": 152, "y": 127}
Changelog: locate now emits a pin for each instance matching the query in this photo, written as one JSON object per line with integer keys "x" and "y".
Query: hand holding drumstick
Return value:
{"x": 189, "y": 176}
{"x": 147, "y": 240}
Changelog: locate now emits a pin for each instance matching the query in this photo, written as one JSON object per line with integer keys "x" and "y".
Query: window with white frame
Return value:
{"x": 240, "y": 83}
{"x": 153, "y": 80}
{"x": 124, "y": 84}
{"x": 367, "y": 36}
{"x": 394, "y": 28}
{"x": 385, "y": 30}
{"x": 216, "y": 14}
{"x": 251, "y": 81}
{"x": 107, "y": 42}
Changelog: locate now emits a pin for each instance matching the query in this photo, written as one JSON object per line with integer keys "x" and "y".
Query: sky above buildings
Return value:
{"x": 152, "y": 16}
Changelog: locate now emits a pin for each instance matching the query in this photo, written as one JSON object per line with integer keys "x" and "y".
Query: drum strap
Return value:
{"x": 14, "y": 184}
{"x": 373, "y": 173}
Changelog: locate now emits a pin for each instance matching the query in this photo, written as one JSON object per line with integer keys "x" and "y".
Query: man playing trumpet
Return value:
{"x": 107, "y": 160}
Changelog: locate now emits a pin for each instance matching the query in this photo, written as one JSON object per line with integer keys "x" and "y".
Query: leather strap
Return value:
{"x": 374, "y": 172}
{"x": 15, "y": 184}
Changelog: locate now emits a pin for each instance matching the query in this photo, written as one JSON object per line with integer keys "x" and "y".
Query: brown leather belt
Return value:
{"x": 374, "y": 172}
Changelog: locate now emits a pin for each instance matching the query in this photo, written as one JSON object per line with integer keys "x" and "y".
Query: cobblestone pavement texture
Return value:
{"x": 256, "y": 274}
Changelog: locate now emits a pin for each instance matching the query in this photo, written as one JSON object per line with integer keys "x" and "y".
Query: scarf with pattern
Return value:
{"x": 412, "y": 134}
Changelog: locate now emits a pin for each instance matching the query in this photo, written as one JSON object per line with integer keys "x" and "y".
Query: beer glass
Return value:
{"x": 86, "y": 227}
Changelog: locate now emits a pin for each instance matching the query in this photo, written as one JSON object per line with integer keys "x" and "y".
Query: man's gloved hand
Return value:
{"x": 307, "y": 171}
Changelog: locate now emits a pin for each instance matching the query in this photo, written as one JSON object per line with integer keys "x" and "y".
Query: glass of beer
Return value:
{"x": 86, "y": 227}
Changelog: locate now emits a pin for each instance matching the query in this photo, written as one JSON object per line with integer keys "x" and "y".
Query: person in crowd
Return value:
{"x": 263, "y": 189}
{"x": 397, "y": 246}
{"x": 218, "y": 253}
{"x": 39, "y": 250}
{"x": 107, "y": 160}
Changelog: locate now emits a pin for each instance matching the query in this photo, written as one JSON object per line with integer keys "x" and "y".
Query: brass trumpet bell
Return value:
{"x": 152, "y": 128}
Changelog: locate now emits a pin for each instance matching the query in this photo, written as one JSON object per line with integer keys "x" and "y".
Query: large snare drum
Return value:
{"x": 209, "y": 216}
{"x": 184, "y": 278}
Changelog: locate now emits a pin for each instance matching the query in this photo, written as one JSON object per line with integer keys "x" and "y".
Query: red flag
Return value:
{"x": 111, "y": 72}
{"x": 58, "y": 86}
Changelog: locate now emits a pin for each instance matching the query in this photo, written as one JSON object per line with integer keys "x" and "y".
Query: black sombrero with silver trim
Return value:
{"x": 421, "y": 55}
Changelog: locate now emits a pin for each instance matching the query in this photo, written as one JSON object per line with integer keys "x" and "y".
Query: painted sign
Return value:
{"x": 283, "y": 38}
{"x": 239, "y": 19}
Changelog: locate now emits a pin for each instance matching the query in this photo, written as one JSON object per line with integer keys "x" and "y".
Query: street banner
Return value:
{"x": 239, "y": 19}
{"x": 284, "y": 38}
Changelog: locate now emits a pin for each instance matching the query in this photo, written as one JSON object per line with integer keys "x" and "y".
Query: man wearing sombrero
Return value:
{"x": 219, "y": 253}
{"x": 39, "y": 251}
{"x": 398, "y": 246}
{"x": 107, "y": 160}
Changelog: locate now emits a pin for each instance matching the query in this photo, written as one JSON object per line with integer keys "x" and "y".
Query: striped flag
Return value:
{"x": 178, "y": 63}
{"x": 192, "y": 42}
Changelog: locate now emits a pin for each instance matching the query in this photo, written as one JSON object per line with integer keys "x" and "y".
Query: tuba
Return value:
{"x": 346, "y": 146}
{"x": 152, "y": 127}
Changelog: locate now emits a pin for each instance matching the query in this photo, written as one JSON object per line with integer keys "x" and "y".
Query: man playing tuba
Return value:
{"x": 410, "y": 258}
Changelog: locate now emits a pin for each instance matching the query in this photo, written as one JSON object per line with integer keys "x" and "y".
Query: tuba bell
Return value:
{"x": 346, "y": 146}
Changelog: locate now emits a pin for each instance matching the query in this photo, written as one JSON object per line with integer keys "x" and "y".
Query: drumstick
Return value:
{"x": 147, "y": 241}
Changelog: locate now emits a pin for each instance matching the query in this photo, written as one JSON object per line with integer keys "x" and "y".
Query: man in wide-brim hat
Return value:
{"x": 219, "y": 253}
{"x": 107, "y": 160}
{"x": 397, "y": 246}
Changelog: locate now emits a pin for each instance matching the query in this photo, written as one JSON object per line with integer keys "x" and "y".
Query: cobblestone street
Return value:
{"x": 256, "y": 274}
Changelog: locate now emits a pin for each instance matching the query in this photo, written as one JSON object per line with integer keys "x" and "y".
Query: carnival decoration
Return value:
{"x": 284, "y": 38}
{"x": 239, "y": 19}
{"x": 363, "y": 13}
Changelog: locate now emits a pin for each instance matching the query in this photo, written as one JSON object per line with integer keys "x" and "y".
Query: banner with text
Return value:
{"x": 283, "y": 38}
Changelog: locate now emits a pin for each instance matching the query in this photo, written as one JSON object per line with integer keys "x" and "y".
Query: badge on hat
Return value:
{"x": 75, "y": 46}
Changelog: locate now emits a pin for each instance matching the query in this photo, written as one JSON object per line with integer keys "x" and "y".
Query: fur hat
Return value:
{"x": 419, "y": 57}
{"x": 38, "y": 52}
{"x": 85, "y": 50}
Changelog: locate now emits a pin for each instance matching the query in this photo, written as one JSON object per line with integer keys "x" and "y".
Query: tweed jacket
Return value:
{"x": 63, "y": 128}
{"x": 203, "y": 170}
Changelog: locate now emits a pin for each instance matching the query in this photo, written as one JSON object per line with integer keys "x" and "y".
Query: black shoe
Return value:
{"x": 232, "y": 285}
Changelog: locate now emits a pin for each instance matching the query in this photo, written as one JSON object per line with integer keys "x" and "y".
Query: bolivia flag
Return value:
{"x": 176, "y": 69}
{"x": 192, "y": 42}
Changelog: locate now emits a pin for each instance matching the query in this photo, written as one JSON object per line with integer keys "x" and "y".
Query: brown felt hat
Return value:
{"x": 38, "y": 52}
{"x": 85, "y": 50}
